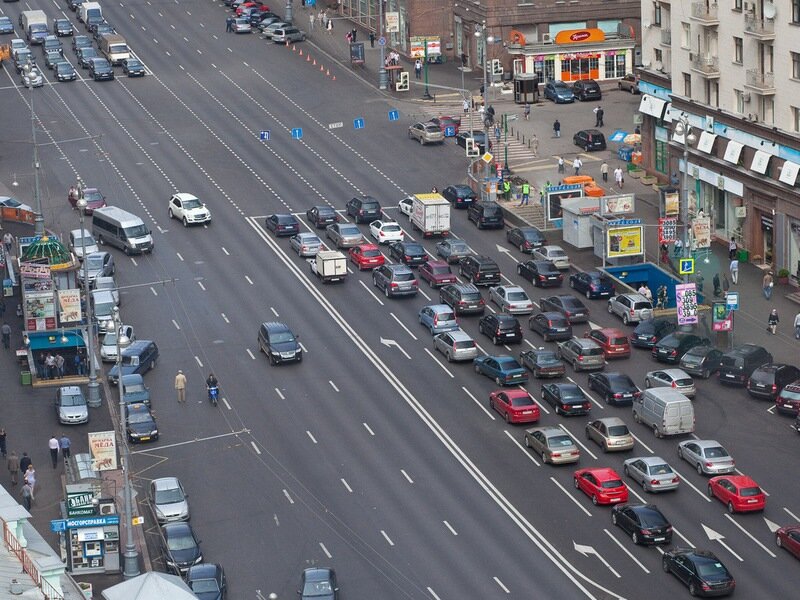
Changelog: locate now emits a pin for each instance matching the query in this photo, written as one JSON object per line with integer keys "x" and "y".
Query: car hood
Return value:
{"x": 174, "y": 509}
{"x": 142, "y": 427}
{"x": 211, "y": 595}
{"x": 73, "y": 411}
{"x": 185, "y": 556}
{"x": 330, "y": 596}
{"x": 285, "y": 346}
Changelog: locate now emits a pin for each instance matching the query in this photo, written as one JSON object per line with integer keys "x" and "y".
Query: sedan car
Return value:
{"x": 140, "y": 425}
{"x": 673, "y": 378}
{"x": 515, "y": 406}
{"x": 702, "y": 361}
{"x": 613, "y": 342}
{"x": 460, "y": 196}
{"x": 318, "y": 584}
{"x": 615, "y": 388}
{"x": 500, "y": 328}
{"x": 190, "y": 210}
{"x": 566, "y": 398}
{"x": 437, "y": 273}
{"x": 344, "y": 235}
{"x": 739, "y": 493}
{"x": 652, "y": 473}
{"x": 789, "y": 538}
{"x": 366, "y": 256}
{"x": 648, "y": 333}
{"x": 568, "y": 305}
{"x": 543, "y": 363}
{"x": 559, "y": 92}
{"x": 527, "y": 239}
{"x": 438, "y": 318}
{"x": 305, "y": 244}
{"x": 602, "y": 485}
{"x": 181, "y": 547}
{"x": 551, "y": 326}
{"x": 706, "y": 456}
{"x": 100, "y": 69}
{"x": 94, "y": 199}
{"x": 242, "y": 25}
{"x": 671, "y": 348}
{"x": 541, "y": 273}
{"x": 554, "y": 445}
{"x": 7, "y": 26}
{"x": 453, "y": 250}
{"x": 133, "y": 67}
{"x": 321, "y": 216}
{"x": 592, "y": 284}
{"x": 71, "y": 406}
{"x": 456, "y": 345}
{"x": 426, "y": 133}
{"x": 64, "y": 71}
{"x": 283, "y": 224}
{"x": 62, "y": 27}
{"x": 409, "y": 253}
{"x": 611, "y": 434}
{"x": 511, "y": 299}
{"x": 169, "y": 500}
{"x": 85, "y": 56}
{"x": 385, "y": 232}
{"x": 207, "y": 581}
{"x": 81, "y": 41}
{"x": 504, "y": 370}
{"x": 643, "y": 522}
{"x": 554, "y": 254}
{"x": 701, "y": 571}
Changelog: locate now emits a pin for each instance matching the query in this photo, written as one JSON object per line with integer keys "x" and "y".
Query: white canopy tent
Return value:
{"x": 150, "y": 586}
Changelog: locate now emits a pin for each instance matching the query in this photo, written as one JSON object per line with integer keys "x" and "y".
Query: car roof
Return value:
{"x": 610, "y": 421}
{"x": 635, "y": 297}
{"x": 465, "y": 287}
{"x": 204, "y": 571}
{"x": 603, "y": 473}
{"x": 439, "y": 307}
{"x": 675, "y": 373}
{"x": 593, "y": 132}
{"x": 436, "y": 263}
{"x": 275, "y": 326}
{"x": 704, "y": 443}
{"x": 611, "y": 332}
{"x": 166, "y": 483}
{"x": 585, "y": 342}
{"x": 177, "y": 528}
{"x": 184, "y": 196}
{"x": 459, "y": 335}
{"x": 399, "y": 268}
{"x": 549, "y": 430}
{"x": 649, "y": 460}
{"x": 738, "y": 480}
{"x": 510, "y": 288}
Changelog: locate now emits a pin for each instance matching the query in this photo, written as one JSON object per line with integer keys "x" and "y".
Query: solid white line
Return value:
{"x": 255, "y": 447}
{"x": 633, "y": 491}
{"x": 426, "y": 295}
{"x": 445, "y": 369}
{"x": 303, "y": 348}
{"x": 250, "y": 281}
{"x": 539, "y": 404}
{"x": 313, "y": 439}
{"x": 502, "y": 586}
{"x": 525, "y": 451}
{"x": 225, "y": 402}
{"x": 791, "y": 514}
{"x": 646, "y": 447}
{"x": 371, "y": 293}
{"x": 225, "y": 251}
{"x": 347, "y": 487}
{"x": 224, "y": 318}
{"x": 179, "y": 256}
{"x": 133, "y": 260}
{"x": 274, "y": 312}
{"x": 251, "y": 354}
{"x": 199, "y": 362}
{"x": 577, "y": 441}
{"x": 588, "y": 395}
{"x": 155, "y": 293}
{"x": 480, "y": 405}
{"x": 174, "y": 322}
{"x": 399, "y": 322}
{"x": 325, "y": 550}
{"x": 333, "y": 385}
{"x": 683, "y": 537}
{"x": 450, "y": 527}
{"x": 433, "y": 594}
{"x": 288, "y": 497}
{"x": 388, "y": 539}
{"x": 368, "y": 429}
{"x": 407, "y": 476}
{"x": 202, "y": 287}
{"x": 691, "y": 485}
{"x": 626, "y": 551}
{"x": 578, "y": 504}
{"x": 750, "y": 535}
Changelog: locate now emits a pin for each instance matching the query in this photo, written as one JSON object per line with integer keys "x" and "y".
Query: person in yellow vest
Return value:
{"x": 507, "y": 189}
{"x": 526, "y": 193}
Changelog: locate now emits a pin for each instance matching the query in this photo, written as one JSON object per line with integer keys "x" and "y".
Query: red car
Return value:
{"x": 261, "y": 7}
{"x": 615, "y": 343}
{"x": 516, "y": 406}
{"x": 789, "y": 537}
{"x": 445, "y": 122}
{"x": 602, "y": 485}
{"x": 94, "y": 199}
{"x": 738, "y": 492}
{"x": 366, "y": 256}
{"x": 437, "y": 273}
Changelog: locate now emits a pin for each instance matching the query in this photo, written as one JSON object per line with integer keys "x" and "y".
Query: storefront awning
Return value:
{"x": 789, "y": 173}
{"x": 732, "y": 152}
{"x": 760, "y": 162}
{"x": 650, "y": 105}
{"x": 52, "y": 340}
{"x": 706, "y": 142}
{"x": 671, "y": 113}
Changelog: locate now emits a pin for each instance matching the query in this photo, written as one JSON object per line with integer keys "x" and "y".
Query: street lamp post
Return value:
{"x": 94, "y": 387}
{"x": 288, "y": 11}
{"x": 684, "y": 130}
{"x": 38, "y": 223}
{"x": 480, "y": 32}
{"x": 383, "y": 77}
{"x": 427, "y": 94}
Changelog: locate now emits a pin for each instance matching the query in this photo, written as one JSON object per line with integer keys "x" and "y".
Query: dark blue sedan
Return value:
{"x": 504, "y": 370}
{"x": 592, "y": 284}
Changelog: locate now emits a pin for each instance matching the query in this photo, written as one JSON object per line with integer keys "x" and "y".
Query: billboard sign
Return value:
{"x": 624, "y": 241}
{"x": 722, "y": 317}
{"x": 701, "y": 229}
{"x": 672, "y": 204}
{"x": 622, "y": 204}
{"x": 667, "y": 230}
{"x": 40, "y": 311}
{"x": 103, "y": 446}
{"x": 69, "y": 306}
{"x": 686, "y": 302}
{"x": 392, "y": 22}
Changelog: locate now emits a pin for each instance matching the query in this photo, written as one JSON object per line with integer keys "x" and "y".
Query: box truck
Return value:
{"x": 430, "y": 213}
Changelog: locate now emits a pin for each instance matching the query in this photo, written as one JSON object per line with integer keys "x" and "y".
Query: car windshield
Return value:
{"x": 94, "y": 262}
{"x": 617, "y": 430}
{"x": 181, "y": 542}
{"x": 139, "y": 417}
{"x": 317, "y": 588}
{"x": 193, "y": 203}
{"x": 613, "y": 483}
{"x": 403, "y": 277}
{"x": 662, "y": 469}
{"x": 281, "y": 337}
{"x": 169, "y": 496}
{"x": 522, "y": 401}
{"x": 547, "y": 358}
{"x": 750, "y": 491}
{"x": 560, "y": 441}
{"x": 72, "y": 400}
{"x": 205, "y": 586}
{"x": 716, "y": 452}
{"x": 371, "y": 252}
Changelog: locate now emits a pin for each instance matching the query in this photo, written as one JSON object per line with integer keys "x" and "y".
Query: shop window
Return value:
{"x": 738, "y": 50}
{"x": 796, "y": 12}
{"x": 545, "y": 69}
{"x": 795, "y": 119}
{"x": 615, "y": 66}
{"x": 661, "y": 162}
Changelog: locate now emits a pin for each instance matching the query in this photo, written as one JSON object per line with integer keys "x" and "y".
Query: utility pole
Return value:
{"x": 288, "y": 15}
{"x": 383, "y": 79}
{"x": 38, "y": 223}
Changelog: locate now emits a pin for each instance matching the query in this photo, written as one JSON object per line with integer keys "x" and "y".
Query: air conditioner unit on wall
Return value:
{"x": 546, "y": 38}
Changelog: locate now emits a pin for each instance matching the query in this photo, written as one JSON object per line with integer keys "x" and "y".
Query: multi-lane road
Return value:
{"x": 379, "y": 459}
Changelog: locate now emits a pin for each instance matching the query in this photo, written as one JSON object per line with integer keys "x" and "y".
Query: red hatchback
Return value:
{"x": 94, "y": 199}
{"x": 437, "y": 273}
{"x": 366, "y": 256}
{"x": 738, "y": 492}
{"x": 516, "y": 406}
{"x": 615, "y": 343}
{"x": 602, "y": 485}
{"x": 789, "y": 537}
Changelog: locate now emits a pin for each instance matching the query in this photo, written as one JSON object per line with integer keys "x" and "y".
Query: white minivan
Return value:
{"x": 116, "y": 227}
{"x": 665, "y": 410}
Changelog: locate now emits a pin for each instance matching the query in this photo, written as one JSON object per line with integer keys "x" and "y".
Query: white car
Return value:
{"x": 169, "y": 499}
{"x": 675, "y": 378}
{"x": 188, "y": 209}
{"x": 385, "y": 232}
{"x": 511, "y": 299}
{"x": 555, "y": 254}
{"x": 110, "y": 284}
{"x": 10, "y": 202}
{"x": 270, "y": 30}
{"x": 32, "y": 78}
{"x": 108, "y": 347}
{"x": 406, "y": 206}
{"x": 82, "y": 242}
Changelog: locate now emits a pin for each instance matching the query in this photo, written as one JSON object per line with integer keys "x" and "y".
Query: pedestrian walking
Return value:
{"x": 732, "y": 248}
{"x": 726, "y": 285}
{"x": 527, "y": 111}
{"x": 797, "y": 326}
{"x": 353, "y": 33}
{"x": 53, "y": 445}
{"x": 497, "y": 132}
{"x": 418, "y": 69}
{"x": 465, "y": 105}
{"x": 329, "y": 26}
{"x": 311, "y": 18}
{"x": 664, "y": 253}
{"x": 604, "y": 171}
{"x": 180, "y": 386}
{"x": 535, "y": 146}
{"x": 561, "y": 165}
{"x": 772, "y": 321}
{"x": 50, "y": 365}
{"x": 320, "y": 19}
{"x": 65, "y": 444}
{"x": 30, "y": 478}
{"x": 542, "y": 194}
{"x": 600, "y": 114}
{"x": 371, "y": 39}
{"x": 6, "y": 330}
{"x": 556, "y": 129}
{"x": 13, "y": 467}
{"x": 24, "y": 463}
{"x": 717, "y": 286}
{"x": 577, "y": 164}
{"x": 27, "y": 496}
{"x": 3, "y": 441}
{"x": 229, "y": 24}
{"x": 662, "y": 296}
{"x": 8, "y": 241}
{"x": 526, "y": 193}
{"x": 735, "y": 270}
{"x": 78, "y": 363}
{"x": 767, "y": 284}
{"x": 595, "y": 110}
{"x": 348, "y": 37}
{"x": 618, "y": 177}
{"x": 60, "y": 366}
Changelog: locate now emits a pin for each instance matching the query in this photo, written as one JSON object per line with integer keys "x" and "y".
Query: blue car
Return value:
{"x": 592, "y": 284}
{"x": 504, "y": 370}
{"x": 559, "y": 92}
{"x": 438, "y": 318}
{"x": 6, "y": 26}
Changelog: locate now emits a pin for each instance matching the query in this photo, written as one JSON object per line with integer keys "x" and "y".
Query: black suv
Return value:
{"x": 586, "y": 89}
{"x": 364, "y": 209}
{"x": 738, "y": 364}
{"x": 100, "y": 69}
{"x": 278, "y": 342}
{"x": 649, "y": 332}
{"x": 769, "y": 380}
{"x": 464, "y": 299}
{"x": 590, "y": 140}
{"x": 486, "y": 215}
{"x": 502, "y": 329}
{"x": 671, "y": 348}
{"x": 480, "y": 270}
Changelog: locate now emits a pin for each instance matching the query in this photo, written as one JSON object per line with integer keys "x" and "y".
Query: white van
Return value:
{"x": 114, "y": 47}
{"x": 116, "y": 227}
{"x": 665, "y": 411}
{"x": 89, "y": 10}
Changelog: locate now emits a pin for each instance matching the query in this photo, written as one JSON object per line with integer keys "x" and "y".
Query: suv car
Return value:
{"x": 100, "y": 69}
{"x": 568, "y": 305}
{"x": 738, "y": 364}
{"x": 701, "y": 361}
{"x": 769, "y": 380}
{"x": 395, "y": 280}
{"x": 486, "y": 215}
{"x": 582, "y": 354}
{"x": 464, "y": 299}
{"x": 788, "y": 400}
{"x": 278, "y": 342}
{"x": 590, "y": 140}
{"x": 587, "y": 89}
{"x": 649, "y": 332}
{"x": 629, "y": 83}
{"x": 364, "y": 209}
{"x": 479, "y": 270}
{"x": 456, "y": 345}
{"x": 502, "y": 329}
{"x": 631, "y": 308}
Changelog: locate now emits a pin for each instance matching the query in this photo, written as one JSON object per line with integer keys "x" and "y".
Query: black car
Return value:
{"x": 479, "y": 270}
{"x": 140, "y": 425}
{"x": 478, "y": 135}
{"x": 593, "y": 284}
{"x": 65, "y": 72}
{"x": 649, "y": 332}
{"x": 501, "y": 328}
{"x": 643, "y": 522}
{"x": 486, "y": 215}
{"x": 86, "y": 56}
{"x": 283, "y": 225}
{"x": 615, "y": 388}
{"x": 207, "y": 581}
{"x": 700, "y": 570}
{"x": 464, "y": 299}
{"x": 62, "y": 27}
{"x": 768, "y": 380}
{"x": 364, "y": 209}
{"x": 133, "y": 67}
{"x": 81, "y": 41}
{"x": 671, "y": 348}
{"x": 568, "y": 305}
{"x": 52, "y": 43}
{"x": 541, "y": 273}
{"x": 527, "y": 239}
{"x": 321, "y": 216}
{"x": 551, "y": 326}
{"x": 566, "y": 398}
{"x": 460, "y": 196}
{"x": 181, "y": 547}
{"x": 701, "y": 361}
{"x": 590, "y": 140}
{"x": 278, "y": 342}
{"x": 737, "y": 365}
{"x": 453, "y": 250}
{"x": 318, "y": 583}
{"x": 587, "y": 89}
{"x": 409, "y": 253}
{"x": 543, "y": 363}
{"x": 74, "y": 4}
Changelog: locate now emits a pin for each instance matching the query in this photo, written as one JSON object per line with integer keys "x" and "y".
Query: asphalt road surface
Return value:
{"x": 374, "y": 455}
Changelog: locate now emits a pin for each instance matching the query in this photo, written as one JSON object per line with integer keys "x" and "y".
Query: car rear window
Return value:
{"x": 558, "y": 322}
{"x": 414, "y": 249}
{"x": 618, "y": 430}
{"x": 458, "y": 247}
{"x": 369, "y": 206}
{"x": 371, "y": 253}
{"x": 517, "y": 296}
{"x": 651, "y": 518}
{"x": 443, "y": 270}
{"x": 572, "y": 303}
{"x": 547, "y": 358}
{"x": 522, "y": 401}
{"x": 750, "y": 491}
{"x": 447, "y": 316}
{"x": 432, "y": 129}
{"x": 763, "y": 376}
{"x": 557, "y": 253}
{"x": 489, "y": 268}
{"x": 471, "y": 296}
{"x": 350, "y": 230}
{"x": 734, "y": 362}
{"x": 684, "y": 382}
{"x": 642, "y": 305}
{"x": 560, "y": 441}
{"x": 619, "y": 341}
{"x": 788, "y": 394}
{"x": 463, "y": 345}
{"x": 491, "y": 211}
{"x": 404, "y": 277}
{"x": 508, "y": 363}
{"x": 592, "y": 352}
{"x": 613, "y": 483}
{"x": 716, "y": 452}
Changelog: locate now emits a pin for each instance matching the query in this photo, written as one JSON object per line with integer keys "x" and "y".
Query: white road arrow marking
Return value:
{"x": 773, "y": 527}
{"x": 390, "y": 343}
{"x": 504, "y": 250}
{"x": 587, "y": 550}
{"x": 714, "y": 536}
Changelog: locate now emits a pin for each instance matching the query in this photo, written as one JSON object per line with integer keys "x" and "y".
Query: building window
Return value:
{"x": 615, "y": 66}
{"x": 768, "y": 110}
{"x": 658, "y": 55}
{"x": 686, "y": 35}
{"x": 795, "y": 65}
{"x": 796, "y": 12}
{"x": 739, "y": 101}
{"x": 687, "y": 85}
{"x": 795, "y": 119}
{"x": 738, "y": 51}
{"x": 657, "y": 14}
{"x": 712, "y": 93}
{"x": 737, "y": 5}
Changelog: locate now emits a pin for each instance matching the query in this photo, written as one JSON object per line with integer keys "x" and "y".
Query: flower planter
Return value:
{"x": 649, "y": 180}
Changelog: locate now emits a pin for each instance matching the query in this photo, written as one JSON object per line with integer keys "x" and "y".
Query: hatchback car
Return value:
{"x": 515, "y": 406}
{"x": 479, "y": 270}
{"x": 587, "y": 89}
{"x": 385, "y": 232}
{"x": 426, "y": 133}
{"x": 553, "y": 445}
{"x": 706, "y": 456}
{"x": 739, "y": 493}
{"x": 503, "y": 370}
{"x": 344, "y": 235}
{"x": 366, "y": 256}
{"x": 701, "y": 361}
{"x": 108, "y": 346}
{"x": 583, "y": 354}
{"x": 541, "y": 273}
{"x": 592, "y": 284}
{"x": 181, "y": 547}
{"x": 81, "y": 242}
{"x": 677, "y": 379}
{"x": 140, "y": 424}
{"x": 133, "y": 67}
{"x": 615, "y": 388}
{"x": 134, "y": 390}
{"x": 652, "y": 473}
{"x": 452, "y": 250}
{"x": 207, "y": 581}
{"x": 671, "y": 348}
{"x": 738, "y": 364}
{"x": 500, "y": 328}
{"x": 591, "y": 140}
{"x": 438, "y": 318}
{"x": 363, "y": 209}
{"x": 486, "y": 215}
{"x": 568, "y": 305}
{"x": 71, "y": 406}
{"x": 602, "y": 485}
{"x": 395, "y": 280}
{"x": 631, "y": 308}
{"x": 789, "y": 538}
{"x": 321, "y": 216}
{"x": 97, "y": 264}
{"x": 64, "y": 71}
{"x": 170, "y": 501}
{"x": 613, "y": 342}
{"x": 270, "y": 29}
{"x": 788, "y": 400}
{"x": 460, "y": 196}
{"x": 279, "y": 343}
{"x": 465, "y": 299}
{"x": 543, "y": 363}
{"x": 318, "y": 583}
{"x": 610, "y": 433}
{"x": 554, "y": 254}
{"x": 567, "y": 399}
{"x": 701, "y": 571}
{"x": 767, "y": 381}
{"x": 551, "y": 326}
{"x": 305, "y": 244}
{"x": 100, "y": 69}
{"x": 643, "y": 522}
{"x": 409, "y": 253}
{"x": 648, "y": 333}
{"x": 456, "y": 345}
{"x": 559, "y": 92}
{"x": 526, "y": 239}
{"x": 437, "y": 273}
{"x": 511, "y": 299}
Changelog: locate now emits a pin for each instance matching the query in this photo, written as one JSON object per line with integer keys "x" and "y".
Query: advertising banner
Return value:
{"x": 28, "y": 270}
{"x": 686, "y": 302}
{"x": 701, "y": 229}
{"x": 672, "y": 204}
{"x": 622, "y": 204}
{"x": 69, "y": 306}
{"x": 39, "y": 309}
{"x": 667, "y": 230}
{"x": 417, "y": 46}
{"x": 624, "y": 241}
{"x": 555, "y": 195}
{"x": 103, "y": 446}
{"x": 392, "y": 22}
{"x": 722, "y": 317}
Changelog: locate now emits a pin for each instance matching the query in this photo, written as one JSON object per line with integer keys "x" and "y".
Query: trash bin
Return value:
{"x": 744, "y": 255}
{"x": 25, "y": 377}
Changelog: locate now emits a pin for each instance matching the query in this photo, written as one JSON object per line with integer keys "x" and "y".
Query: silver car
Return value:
{"x": 242, "y": 25}
{"x": 610, "y": 433}
{"x": 305, "y": 244}
{"x": 108, "y": 347}
{"x": 270, "y": 29}
{"x": 582, "y": 353}
{"x": 426, "y": 133}
{"x": 707, "y": 456}
{"x": 71, "y": 406}
{"x": 553, "y": 444}
{"x": 673, "y": 378}
{"x": 110, "y": 284}
{"x": 344, "y": 235}
{"x": 81, "y": 241}
{"x": 511, "y": 299}
{"x": 169, "y": 500}
{"x": 652, "y": 473}
{"x": 32, "y": 78}
{"x": 456, "y": 346}
{"x": 555, "y": 254}
{"x": 287, "y": 35}
{"x": 631, "y": 308}
{"x": 98, "y": 264}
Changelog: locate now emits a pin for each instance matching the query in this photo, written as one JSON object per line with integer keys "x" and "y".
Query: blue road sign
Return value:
{"x": 264, "y": 135}
{"x": 381, "y": 41}
{"x": 394, "y": 115}
{"x": 686, "y": 266}
{"x": 297, "y": 133}
{"x": 732, "y": 300}
{"x": 358, "y": 123}
{"x": 450, "y": 131}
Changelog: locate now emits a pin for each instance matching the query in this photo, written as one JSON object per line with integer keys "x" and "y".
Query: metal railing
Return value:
{"x": 705, "y": 11}
{"x": 759, "y": 79}
{"x": 28, "y": 565}
{"x": 754, "y": 25}
{"x": 706, "y": 63}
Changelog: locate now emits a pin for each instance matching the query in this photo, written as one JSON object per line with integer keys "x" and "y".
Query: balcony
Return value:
{"x": 666, "y": 37}
{"x": 763, "y": 29}
{"x": 760, "y": 82}
{"x": 705, "y": 13}
{"x": 705, "y": 64}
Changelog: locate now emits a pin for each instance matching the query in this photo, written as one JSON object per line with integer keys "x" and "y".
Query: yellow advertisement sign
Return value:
{"x": 624, "y": 241}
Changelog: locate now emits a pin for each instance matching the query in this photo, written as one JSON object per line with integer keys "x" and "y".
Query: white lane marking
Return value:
{"x": 632, "y": 491}
{"x": 407, "y": 476}
{"x": 303, "y": 348}
{"x": 491, "y": 308}
{"x": 399, "y": 322}
{"x": 155, "y": 293}
{"x": 250, "y": 281}
{"x": 202, "y": 287}
{"x": 750, "y": 535}
{"x": 371, "y": 293}
{"x": 274, "y": 312}
{"x": 333, "y": 385}
{"x": 179, "y": 256}
{"x": 571, "y": 497}
{"x": 716, "y": 536}
{"x": 539, "y": 404}
{"x": 588, "y": 395}
{"x": 174, "y": 322}
{"x": 288, "y": 497}
{"x": 531, "y": 345}
{"x": 280, "y": 394}
{"x": 251, "y": 354}
{"x": 450, "y": 527}
{"x": 426, "y": 295}
{"x": 480, "y": 405}
{"x": 313, "y": 439}
{"x": 325, "y": 550}
{"x": 224, "y": 318}
{"x": 438, "y": 362}
{"x": 577, "y": 441}
{"x": 525, "y": 451}
{"x": 502, "y": 585}
{"x": 346, "y": 486}
{"x": 433, "y": 594}
{"x": 691, "y": 485}
{"x": 683, "y": 537}
{"x": 388, "y": 539}
{"x": 225, "y": 402}
{"x": 199, "y": 362}
{"x": 646, "y": 447}
{"x": 255, "y": 447}
{"x": 368, "y": 429}
{"x": 791, "y": 514}
{"x": 225, "y": 251}
{"x": 626, "y": 551}
{"x": 771, "y": 409}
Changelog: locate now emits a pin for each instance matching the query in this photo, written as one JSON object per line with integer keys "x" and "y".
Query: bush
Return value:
{"x": 783, "y": 274}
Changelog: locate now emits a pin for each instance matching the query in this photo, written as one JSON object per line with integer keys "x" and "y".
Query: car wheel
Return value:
{"x": 614, "y": 518}
{"x": 699, "y": 469}
{"x": 495, "y": 341}
{"x": 386, "y": 291}
{"x": 594, "y": 499}
{"x": 709, "y": 491}
{"x": 480, "y": 328}
{"x": 588, "y": 295}
{"x": 491, "y": 404}
{"x": 448, "y": 356}
{"x": 527, "y": 442}
{"x": 100, "y": 240}
{"x": 778, "y": 541}
{"x": 605, "y": 447}
{"x": 638, "y": 419}
{"x": 477, "y": 369}
{"x": 656, "y": 431}
{"x": 185, "y": 222}
{"x": 731, "y": 510}
{"x": 271, "y": 360}
{"x": 421, "y": 142}
{"x": 692, "y": 589}
{"x": 497, "y": 381}
{"x": 608, "y": 307}
{"x": 625, "y": 318}
{"x": 522, "y": 248}
{"x": 508, "y": 419}
{"x": 171, "y": 215}
{"x": 647, "y": 383}
{"x": 575, "y": 365}
{"x": 374, "y": 282}
{"x": 706, "y": 374}
{"x": 545, "y": 337}
{"x": 635, "y": 538}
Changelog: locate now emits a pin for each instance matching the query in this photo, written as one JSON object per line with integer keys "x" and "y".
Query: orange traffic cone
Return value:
{"x": 308, "y": 58}
{"x": 334, "y": 78}
{"x": 301, "y": 52}
{"x": 328, "y": 72}
{"x": 315, "y": 62}
{"x": 321, "y": 68}
{"x": 294, "y": 49}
